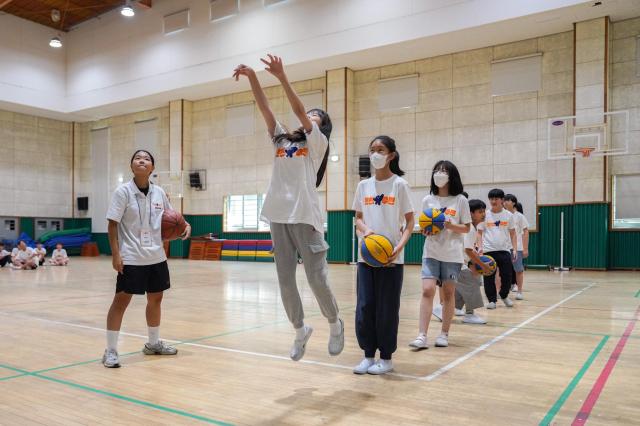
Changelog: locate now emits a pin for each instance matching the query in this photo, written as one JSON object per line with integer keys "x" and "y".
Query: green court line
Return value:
{"x": 118, "y": 396}
{"x": 637, "y": 294}
{"x": 572, "y": 384}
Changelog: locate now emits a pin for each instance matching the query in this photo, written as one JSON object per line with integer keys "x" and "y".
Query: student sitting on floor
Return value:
{"x": 59, "y": 256}
{"x": 23, "y": 257}
{"x": 5, "y": 256}
{"x": 40, "y": 253}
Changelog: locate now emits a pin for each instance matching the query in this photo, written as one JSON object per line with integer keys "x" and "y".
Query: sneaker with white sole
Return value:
{"x": 420, "y": 342}
{"x": 110, "y": 359}
{"x": 300, "y": 345}
{"x": 442, "y": 341}
{"x": 160, "y": 348}
{"x": 473, "y": 319}
{"x": 514, "y": 288}
{"x": 491, "y": 305}
{"x": 383, "y": 366}
{"x": 364, "y": 366}
{"x": 460, "y": 312}
{"x": 507, "y": 302}
{"x": 519, "y": 296}
{"x": 336, "y": 343}
{"x": 437, "y": 312}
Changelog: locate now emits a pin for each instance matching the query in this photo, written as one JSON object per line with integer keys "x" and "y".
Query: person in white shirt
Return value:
{"x": 23, "y": 257}
{"x": 292, "y": 208}
{"x": 383, "y": 206}
{"x": 40, "y": 253}
{"x": 135, "y": 222}
{"x": 5, "y": 256}
{"x": 442, "y": 256}
{"x": 59, "y": 256}
{"x": 498, "y": 235}
{"x": 522, "y": 236}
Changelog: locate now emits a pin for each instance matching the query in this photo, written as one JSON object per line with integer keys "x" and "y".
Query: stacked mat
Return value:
{"x": 264, "y": 250}
{"x": 71, "y": 239}
{"x": 247, "y": 250}
{"x": 229, "y": 250}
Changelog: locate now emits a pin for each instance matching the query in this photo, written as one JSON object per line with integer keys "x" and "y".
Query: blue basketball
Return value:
{"x": 432, "y": 220}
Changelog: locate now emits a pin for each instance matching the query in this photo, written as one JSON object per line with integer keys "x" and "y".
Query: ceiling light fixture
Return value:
{"x": 55, "y": 42}
{"x": 127, "y": 10}
{"x": 335, "y": 158}
{"x": 55, "y": 15}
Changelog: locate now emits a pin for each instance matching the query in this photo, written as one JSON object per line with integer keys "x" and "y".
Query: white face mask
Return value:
{"x": 440, "y": 179}
{"x": 378, "y": 160}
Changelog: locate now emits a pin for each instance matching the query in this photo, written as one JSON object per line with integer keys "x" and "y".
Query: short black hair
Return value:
{"x": 511, "y": 197}
{"x": 496, "y": 193}
{"x": 153, "y": 160}
{"x": 455, "y": 183}
{"x": 21, "y": 241}
{"x": 476, "y": 205}
{"x": 465, "y": 194}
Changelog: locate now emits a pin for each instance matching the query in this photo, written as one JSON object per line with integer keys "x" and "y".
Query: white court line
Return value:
{"x": 210, "y": 347}
{"x": 496, "y": 339}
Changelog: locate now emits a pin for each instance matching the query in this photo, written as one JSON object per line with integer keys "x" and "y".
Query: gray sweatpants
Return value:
{"x": 468, "y": 291}
{"x": 289, "y": 239}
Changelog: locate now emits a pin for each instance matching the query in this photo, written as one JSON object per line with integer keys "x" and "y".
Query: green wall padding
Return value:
{"x": 624, "y": 250}
{"x": 549, "y": 235}
{"x": 339, "y": 235}
{"x": 413, "y": 249}
{"x": 75, "y": 223}
{"x": 27, "y": 225}
{"x": 590, "y": 236}
{"x": 102, "y": 239}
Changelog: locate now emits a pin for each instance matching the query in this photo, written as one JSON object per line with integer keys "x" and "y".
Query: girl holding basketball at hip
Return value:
{"x": 292, "y": 208}
{"x": 135, "y": 218}
{"x": 383, "y": 207}
{"x": 442, "y": 256}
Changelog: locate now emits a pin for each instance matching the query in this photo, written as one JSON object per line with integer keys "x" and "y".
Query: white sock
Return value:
{"x": 112, "y": 339}
{"x": 335, "y": 328}
{"x": 300, "y": 332}
{"x": 154, "y": 335}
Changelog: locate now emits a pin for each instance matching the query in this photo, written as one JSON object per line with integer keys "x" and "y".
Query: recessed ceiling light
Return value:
{"x": 55, "y": 42}
{"x": 127, "y": 10}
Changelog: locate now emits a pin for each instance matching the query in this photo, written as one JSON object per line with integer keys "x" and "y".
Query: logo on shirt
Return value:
{"x": 157, "y": 206}
{"x": 291, "y": 152}
{"x": 379, "y": 200}
{"x": 498, "y": 224}
{"x": 449, "y": 211}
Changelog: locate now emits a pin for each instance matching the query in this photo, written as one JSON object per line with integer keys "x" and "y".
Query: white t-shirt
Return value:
{"x": 446, "y": 246}
{"x": 23, "y": 255}
{"x": 292, "y": 195}
{"x": 521, "y": 224}
{"x": 469, "y": 242}
{"x": 496, "y": 226}
{"x": 4, "y": 253}
{"x": 40, "y": 251}
{"x": 59, "y": 254}
{"x": 383, "y": 205}
{"x": 133, "y": 210}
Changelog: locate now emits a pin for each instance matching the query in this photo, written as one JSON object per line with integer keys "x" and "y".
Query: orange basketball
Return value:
{"x": 173, "y": 225}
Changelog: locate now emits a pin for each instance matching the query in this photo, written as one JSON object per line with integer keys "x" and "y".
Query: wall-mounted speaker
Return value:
{"x": 364, "y": 166}
{"x": 83, "y": 203}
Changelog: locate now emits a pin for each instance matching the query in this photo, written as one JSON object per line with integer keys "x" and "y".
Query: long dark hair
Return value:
{"x": 299, "y": 135}
{"x": 390, "y": 144}
{"x": 455, "y": 182}
{"x": 519, "y": 208}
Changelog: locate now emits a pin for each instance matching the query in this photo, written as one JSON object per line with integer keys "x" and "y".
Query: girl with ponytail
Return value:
{"x": 383, "y": 206}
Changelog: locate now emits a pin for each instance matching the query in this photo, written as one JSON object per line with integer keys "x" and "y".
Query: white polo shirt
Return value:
{"x": 59, "y": 254}
{"x": 134, "y": 211}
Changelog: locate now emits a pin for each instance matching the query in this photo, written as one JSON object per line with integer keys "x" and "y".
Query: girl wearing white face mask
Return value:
{"x": 383, "y": 206}
{"x": 442, "y": 256}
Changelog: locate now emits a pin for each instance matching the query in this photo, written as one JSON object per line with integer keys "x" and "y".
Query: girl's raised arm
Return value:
{"x": 258, "y": 94}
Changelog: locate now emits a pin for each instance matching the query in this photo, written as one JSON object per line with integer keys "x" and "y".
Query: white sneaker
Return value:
{"x": 364, "y": 365}
{"x": 383, "y": 366}
{"x": 473, "y": 319}
{"x": 336, "y": 343}
{"x": 507, "y": 302}
{"x": 514, "y": 287}
{"x": 110, "y": 359}
{"x": 420, "y": 342}
{"x": 491, "y": 305}
{"x": 437, "y": 312}
{"x": 299, "y": 346}
{"x": 519, "y": 296}
{"x": 160, "y": 348}
{"x": 460, "y": 312}
{"x": 442, "y": 341}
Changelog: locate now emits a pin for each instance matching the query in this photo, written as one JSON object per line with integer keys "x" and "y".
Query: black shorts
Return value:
{"x": 144, "y": 279}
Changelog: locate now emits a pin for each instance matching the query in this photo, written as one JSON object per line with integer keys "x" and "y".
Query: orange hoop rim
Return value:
{"x": 586, "y": 152}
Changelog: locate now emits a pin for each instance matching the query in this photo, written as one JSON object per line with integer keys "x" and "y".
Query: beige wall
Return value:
{"x": 35, "y": 166}
{"x": 490, "y": 139}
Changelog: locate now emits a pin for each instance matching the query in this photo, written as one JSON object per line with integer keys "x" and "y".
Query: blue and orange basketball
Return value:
{"x": 432, "y": 221}
{"x": 490, "y": 262}
{"x": 376, "y": 250}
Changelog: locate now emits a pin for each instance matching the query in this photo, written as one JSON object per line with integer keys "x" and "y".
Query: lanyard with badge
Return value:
{"x": 145, "y": 229}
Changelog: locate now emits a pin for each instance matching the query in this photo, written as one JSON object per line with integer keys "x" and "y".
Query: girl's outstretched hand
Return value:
{"x": 274, "y": 66}
{"x": 242, "y": 69}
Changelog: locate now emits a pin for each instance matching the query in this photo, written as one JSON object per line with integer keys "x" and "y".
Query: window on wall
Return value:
{"x": 242, "y": 213}
{"x": 626, "y": 208}
{"x": 516, "y": 75}
{"x": 398, "y": 93}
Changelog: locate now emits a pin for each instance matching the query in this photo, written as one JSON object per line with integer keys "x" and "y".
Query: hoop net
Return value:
{"x": 585, "y": 151}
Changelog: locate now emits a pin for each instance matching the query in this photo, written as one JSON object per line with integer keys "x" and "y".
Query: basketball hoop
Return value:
{"x": 586, "y": 151}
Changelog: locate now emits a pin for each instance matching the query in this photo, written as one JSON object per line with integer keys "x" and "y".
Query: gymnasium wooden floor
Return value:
{"x": 545, "y": 361}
